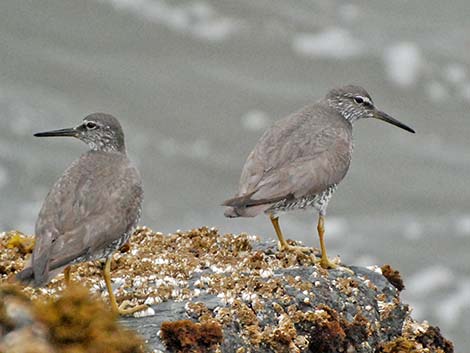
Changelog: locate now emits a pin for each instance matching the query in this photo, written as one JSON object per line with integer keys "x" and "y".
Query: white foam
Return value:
{"x": 413, "y": 230}
{"x": 436, "y": 91}
{"x": 403, "y": 63}
{"x": 430, "y": 279}
{"x": 463, "y": 226}
{"x": 451, "y": 308}
{"x": 198, "y": 18}
{"x": 255, "y": 120}
{"x": 335, "y": 226}
{"x": 336, "y": 43}
{"x": 455, "y": 73}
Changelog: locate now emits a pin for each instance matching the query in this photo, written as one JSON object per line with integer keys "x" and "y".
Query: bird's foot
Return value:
{"x": 328, "y": 264}
{"x": 295, "y": 249}
{"x": 124, "y": 308}
{"x": 334, "y": 264}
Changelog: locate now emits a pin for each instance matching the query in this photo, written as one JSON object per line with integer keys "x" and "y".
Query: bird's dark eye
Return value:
{"x": 359, "y": 100}
{"x": 364, "y": 101}
{"x": 90, "y": 125}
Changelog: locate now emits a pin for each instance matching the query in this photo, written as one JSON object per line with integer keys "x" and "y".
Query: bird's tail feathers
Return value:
{"x": 237, "y": 206}
{"x": 231, "y": 212}
{"x": 245, "y": 206}
{"x": 249, "y": 211}
{"x": 239, "y": 201}
{"x": 26, "y": 276}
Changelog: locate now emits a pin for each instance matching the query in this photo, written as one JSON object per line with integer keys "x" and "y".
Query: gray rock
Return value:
{"x": 354, "y": 312}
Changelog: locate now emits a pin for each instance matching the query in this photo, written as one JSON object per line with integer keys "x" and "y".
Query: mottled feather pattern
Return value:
{"x": 319, "y": 202}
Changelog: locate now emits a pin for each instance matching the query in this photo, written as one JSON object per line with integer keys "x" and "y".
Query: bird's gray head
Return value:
{"x": 101, "y": 132}
{"x": 353, "y": 103}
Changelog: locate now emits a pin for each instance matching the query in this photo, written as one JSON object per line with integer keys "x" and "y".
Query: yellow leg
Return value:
{"x": 283, "y": 246}
{"x": 112, "y": 299}
{"x": 324, "y": 261}
{"x": 67, "y": 275}
{"x": 282, "y": 242}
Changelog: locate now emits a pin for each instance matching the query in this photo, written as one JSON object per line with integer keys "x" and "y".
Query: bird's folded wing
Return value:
{"x": 94, "y": 214}
{"x": 111, "y": 217}
{"x": 88, "y": 238}
{"x": 296, "y": 164}
{"x": 299, "y": 178}
{"x": 302, "y": 177}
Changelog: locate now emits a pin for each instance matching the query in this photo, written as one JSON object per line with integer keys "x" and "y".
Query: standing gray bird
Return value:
{"x": 91, "y": 210}
{"x": 299, "y": 162}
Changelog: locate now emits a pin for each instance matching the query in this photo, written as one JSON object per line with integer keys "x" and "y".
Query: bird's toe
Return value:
{"x": 125, "y": 310}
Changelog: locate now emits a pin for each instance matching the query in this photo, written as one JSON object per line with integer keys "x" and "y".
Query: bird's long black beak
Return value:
{"x": 385, "y": 117}
{"x": 61, "y": 132}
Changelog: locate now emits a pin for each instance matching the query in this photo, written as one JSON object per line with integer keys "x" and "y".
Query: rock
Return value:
{"x": 308, "y": 310}
{"x": 271, "y": 302}
{"x": 75, "y": 322}
{"x": 234, "y": 293}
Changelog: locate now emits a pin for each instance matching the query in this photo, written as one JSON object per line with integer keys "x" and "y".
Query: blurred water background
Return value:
{"x": 196, "y": 82}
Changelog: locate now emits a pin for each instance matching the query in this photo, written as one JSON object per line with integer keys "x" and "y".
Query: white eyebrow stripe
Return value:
{"x": 366, "y": 99}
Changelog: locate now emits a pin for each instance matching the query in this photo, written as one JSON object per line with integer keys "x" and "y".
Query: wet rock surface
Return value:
{"x": 308, "y": 309}
{"x": 209, "y": 292}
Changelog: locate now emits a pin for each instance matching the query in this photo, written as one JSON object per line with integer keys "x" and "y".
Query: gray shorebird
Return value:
{"x": 91, "y": 210}
{"x": 299, "y": 162}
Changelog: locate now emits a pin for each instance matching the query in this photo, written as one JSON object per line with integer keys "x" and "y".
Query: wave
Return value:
{"x": 198, "y": 19}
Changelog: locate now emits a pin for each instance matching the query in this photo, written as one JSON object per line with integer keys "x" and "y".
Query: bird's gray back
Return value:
{"x": 301, "y": 154}
{"x": 95, "y": 203}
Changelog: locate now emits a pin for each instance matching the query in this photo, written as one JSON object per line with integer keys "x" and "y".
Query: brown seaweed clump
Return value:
{"x": 74, "y": 323}
{"x": 433, "y": 338}
{"x": 418, "y": 338}
{"x": 79, "y": 323}
{"x": 327, "y": 331}
{"x": 393, "y": 276}
{"x": 21, "y": 242}
{"x": 15, "y": 247}
{"x": 185, "y": 336}
{"x": 399, "y": 345}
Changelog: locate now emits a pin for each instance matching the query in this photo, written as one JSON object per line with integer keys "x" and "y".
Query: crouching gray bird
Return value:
{"x": 91, "y": 210}
{"x": 299, "y": 162}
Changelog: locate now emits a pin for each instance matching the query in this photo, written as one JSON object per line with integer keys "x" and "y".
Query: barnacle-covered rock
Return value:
{"x": 210, "y": 292}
